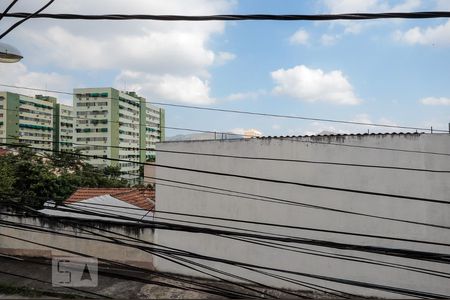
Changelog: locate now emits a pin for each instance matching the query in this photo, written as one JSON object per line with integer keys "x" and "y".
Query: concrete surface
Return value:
{"x": 349, "y": 150}
{"x": 143, "y": 285}
{"x": 76, "y": 230}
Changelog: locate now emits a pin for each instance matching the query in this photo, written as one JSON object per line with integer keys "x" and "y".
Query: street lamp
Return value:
{"x": 9, "y": 54}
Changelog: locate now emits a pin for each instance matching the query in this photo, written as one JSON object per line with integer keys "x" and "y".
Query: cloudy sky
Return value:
{"x": 386, "y": 71}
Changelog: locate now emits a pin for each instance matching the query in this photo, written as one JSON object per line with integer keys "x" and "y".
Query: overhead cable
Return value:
{"x": 241, "y": 17}
{"x": 246, "y": 157}
{"x": 183, "y": 253}
{"x": 252, "y": 178}
{"x": 28, "y": 16}
{"x": 407, "y": 253}
{"x": 8, "y": 8}
{"x": 276, "y": 200}
{"x": 249, "y": 112}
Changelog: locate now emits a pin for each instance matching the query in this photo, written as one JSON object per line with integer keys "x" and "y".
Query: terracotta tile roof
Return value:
{"x": 143, "y": 198}
{"x": 3, "y": 151}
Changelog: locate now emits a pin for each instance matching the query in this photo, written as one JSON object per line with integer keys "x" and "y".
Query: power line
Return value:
{"x": 263, "y": 198}
{"x": 327, "y": 278}
{"x": 140, "y": 124}
{"x": 249, "y": 112}
{"x": 300, "y": 161}
{"x": 212, "y": 287}
{"x": 263, "y": 158}
{"x": 50, "y": 283}
{"x": 333, "y": 255}
{"x": 420, "y": 270}
{"x": 343, "y": 281}
{"x": 284, "y": 226}
{"x": 242, "y": 17}
{"x": 253, "y": 178}
{"x": 271, "y": 244}
{"x": 178, "y": 253}
{"x": 294, "y": 117}
{"x": 151, "y": 250}
{"x": 310, "y": 139}
{"x": 8, "y": 8}
{"x": 177, "y": 262}
{"x": 184, "y": 252}
{"x": 406, "y": 253}
{"x": 28, "y": 16}
{"x": 303, "y": 184}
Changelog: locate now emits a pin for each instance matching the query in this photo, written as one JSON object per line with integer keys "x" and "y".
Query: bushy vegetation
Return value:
{"x": 32, "y": 179}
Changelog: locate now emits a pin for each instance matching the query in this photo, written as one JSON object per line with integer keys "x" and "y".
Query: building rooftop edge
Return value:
{"x": 337, "y": 135}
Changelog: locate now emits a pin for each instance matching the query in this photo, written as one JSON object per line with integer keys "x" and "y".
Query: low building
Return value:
{"x": 331, "y": 210}
{"x": 114, "y": 204}
{"x": 68, "y": 230}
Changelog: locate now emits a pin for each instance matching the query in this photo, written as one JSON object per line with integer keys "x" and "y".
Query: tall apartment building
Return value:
{"x": 154, "y": 132}
{"x": 117, "y": 125}
{"x": 27, "y": 120}
{"x": 64, "y": 120}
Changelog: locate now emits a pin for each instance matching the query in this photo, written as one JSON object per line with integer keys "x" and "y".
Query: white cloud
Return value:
{"x": 276, "y": 126}
{"x": 300, "y": 37}
{"x": 435, "y": 101}
{"x": 362, "y": 118}
{"x": 328, "y": 39}
{"x": 349, "y": 6}
{"x": 177, "y": 53}
{"x": 442, "y": 5}
{"x": 247, "y": 132}
{"x": 184, "y": 89}
{"x": 366, "y": 119}
{"x": 19, "y": 75}
{"x": 315, "y": 127}
{"x": 366, "y": 6}
{"x": 158, "y": 52}
{"x": 224, "y": 57}
{"x": 314, "y": 85}
{"x": 369, "y": 6}
{"x": 246, "y": 95}
{"x": 406, "y": 6}
{"x": 436, "y": 36}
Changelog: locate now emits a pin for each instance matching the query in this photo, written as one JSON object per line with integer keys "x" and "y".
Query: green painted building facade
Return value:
{"x": 104, "y": 122}
{"x": 111, "y": 124}
{"x": 28, "y": 120}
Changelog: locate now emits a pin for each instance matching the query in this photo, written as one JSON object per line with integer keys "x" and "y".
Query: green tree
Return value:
{"x": 33, "y": 178}
{"x": 7, "y": 178}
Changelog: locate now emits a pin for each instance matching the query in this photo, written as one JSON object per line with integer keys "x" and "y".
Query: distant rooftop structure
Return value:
{"x": 143, "y": 198}
{"x": 123, "y": 204}
{"x": 332, "y": 134}
{"x": 320, "y": 136}
{"x": 207, "y": 136}
{"x": 4, "y": 151}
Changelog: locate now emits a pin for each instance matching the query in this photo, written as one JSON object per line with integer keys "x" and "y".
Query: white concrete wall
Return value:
{"x": 149, "y": 174}
{"x": 418, "y": 184}
{"x": 22, "y": 242}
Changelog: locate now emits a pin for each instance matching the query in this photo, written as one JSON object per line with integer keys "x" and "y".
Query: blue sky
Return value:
{"x": 386, "y": 71}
